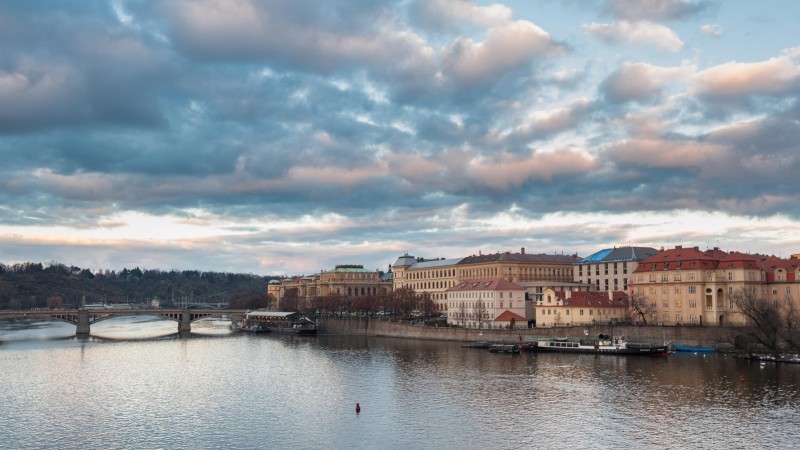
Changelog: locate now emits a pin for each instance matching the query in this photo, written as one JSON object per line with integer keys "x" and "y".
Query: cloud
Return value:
{"x": 665, "y": 154}
{"x": 454, "y": 15}
{"x": 712, "y": 29}
{"x": 506, "y": 48}
{"x": 655, "y": 10}
{"x": 642, "y": 81}
{"x": 637, "y": 32}
{"x": 774, "y": 77}
{"x": 508, "y": 171}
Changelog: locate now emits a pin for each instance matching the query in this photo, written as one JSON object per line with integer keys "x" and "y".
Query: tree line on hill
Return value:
{"x": 55, "y": 285}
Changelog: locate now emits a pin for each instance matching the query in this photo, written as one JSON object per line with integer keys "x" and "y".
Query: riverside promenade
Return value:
{"x": 720, "y": 337}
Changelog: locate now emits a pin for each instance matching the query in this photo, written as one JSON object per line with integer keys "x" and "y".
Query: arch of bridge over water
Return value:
{"x": 83, "y": 318}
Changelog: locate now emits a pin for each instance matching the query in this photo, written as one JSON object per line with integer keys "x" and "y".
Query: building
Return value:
{"x": 581, "y": 308}
{"x": 343, "y": 281}
{"x": 487, "y": 303}
{"x": 436, "y": 276}
{"x": 610, "y": 269}
{"x": 690, "y": 286}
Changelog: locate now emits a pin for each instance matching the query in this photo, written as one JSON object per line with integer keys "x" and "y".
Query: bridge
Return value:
{"x": 83, "y": 318}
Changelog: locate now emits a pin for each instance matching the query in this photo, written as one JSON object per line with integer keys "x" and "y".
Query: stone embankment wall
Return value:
{"x": 685, "y": 335}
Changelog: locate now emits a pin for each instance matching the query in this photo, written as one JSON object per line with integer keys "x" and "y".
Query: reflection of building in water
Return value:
{"x": 690, "y": 286}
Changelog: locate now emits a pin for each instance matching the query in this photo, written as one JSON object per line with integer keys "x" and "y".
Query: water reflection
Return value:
{"x": 252, "y": 391}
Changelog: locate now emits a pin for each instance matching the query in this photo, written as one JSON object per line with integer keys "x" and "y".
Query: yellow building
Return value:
{"x": 689, "y": 286}
{"x": 342, "y": 281}
{"x": 581, "y": 308}
{"x": 436, "y": 276}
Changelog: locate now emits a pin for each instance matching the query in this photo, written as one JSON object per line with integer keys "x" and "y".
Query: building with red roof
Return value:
{"x": 579, "y": 308}
{"x": 691, "y": 286}
{"x": 487, "y": 303}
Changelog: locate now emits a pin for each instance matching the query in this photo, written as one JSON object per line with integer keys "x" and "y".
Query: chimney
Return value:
{"x": 522, "y": 250}
{"x": 678, "y": 247}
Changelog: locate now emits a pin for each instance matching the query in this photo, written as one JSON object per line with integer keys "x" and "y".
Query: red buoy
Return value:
{"x": 358, "y": 408}
{"x": 742, "y": 378}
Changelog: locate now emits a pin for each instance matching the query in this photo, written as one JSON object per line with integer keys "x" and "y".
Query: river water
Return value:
{"x": 135, "y": 384}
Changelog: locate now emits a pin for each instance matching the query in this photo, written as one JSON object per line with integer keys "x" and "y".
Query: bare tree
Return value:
{"x": 775, "y": 323}
{"x": 480, "y": 312}
{"x": 640, "y": 305}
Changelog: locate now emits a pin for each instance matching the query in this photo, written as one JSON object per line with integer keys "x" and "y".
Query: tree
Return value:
{"x": 55, "y": 302}
{"x": 640, "y": 305}
{"x": 775, "y": 324}
{"x": 480, "y": 312}
{"x": 405, "y": 300}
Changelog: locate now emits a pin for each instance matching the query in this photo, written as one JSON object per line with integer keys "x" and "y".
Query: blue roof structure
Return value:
{"x": 620, "y": 254}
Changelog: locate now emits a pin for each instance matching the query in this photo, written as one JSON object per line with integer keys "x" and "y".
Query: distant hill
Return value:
{"x": 35, "y": 285}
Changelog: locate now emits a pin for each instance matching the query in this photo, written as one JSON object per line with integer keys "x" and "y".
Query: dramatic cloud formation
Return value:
{"x": 282, "y": 137}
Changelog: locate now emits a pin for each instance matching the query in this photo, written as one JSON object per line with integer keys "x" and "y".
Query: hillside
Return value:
{"x": 34, "y": 285}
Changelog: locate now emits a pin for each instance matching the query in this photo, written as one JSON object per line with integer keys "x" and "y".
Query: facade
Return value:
{"x": 689, "y": 286}
{"x": 611, "y": 269}
{"x": 342, "y": 281}
{"x": 581, "y": 308}
{"x": 436, "y": 276}
{"x": 486, "y": 303}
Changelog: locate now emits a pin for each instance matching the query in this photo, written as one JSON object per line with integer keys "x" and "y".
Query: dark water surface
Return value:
{"x": 135, "y": 385}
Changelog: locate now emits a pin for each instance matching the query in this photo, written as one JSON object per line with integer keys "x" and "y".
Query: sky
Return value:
{"x": 283, "y": 137}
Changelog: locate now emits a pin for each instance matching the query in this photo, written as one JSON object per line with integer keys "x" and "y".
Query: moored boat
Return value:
{"x": 686, "y": 348}
{"x": 511, "y": 349}
{"x": 277, "y": 322}
{"x": 603, "y": 345}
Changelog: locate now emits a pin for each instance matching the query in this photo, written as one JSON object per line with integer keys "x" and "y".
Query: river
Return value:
{"x": 136, "y": 384}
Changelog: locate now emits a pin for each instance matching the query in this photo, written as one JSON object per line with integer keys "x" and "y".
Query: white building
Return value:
{"x": 487, "y": 303}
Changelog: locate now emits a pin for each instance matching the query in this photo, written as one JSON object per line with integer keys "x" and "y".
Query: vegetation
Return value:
{"x": 401, "y": 302}
{"x": 776, "y": 323}
{"x": 55, "y": 285}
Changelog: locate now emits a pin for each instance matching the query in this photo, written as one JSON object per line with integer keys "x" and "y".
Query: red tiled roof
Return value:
{"x": 492, "y": 284}
{"x": 597, "y": 299}
{"x": 682, "y": 258}
{"x": 507, "y": 315}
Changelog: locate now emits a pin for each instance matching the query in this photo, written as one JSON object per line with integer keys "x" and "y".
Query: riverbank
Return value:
{"x": 721, "y": 338}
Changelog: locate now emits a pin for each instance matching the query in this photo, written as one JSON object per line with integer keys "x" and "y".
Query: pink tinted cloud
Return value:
{"x": 639, "y": 81}
{"x": 637, "y": 32}
{"x": 510, "y": 171}
{"x": 506, "y": 47}
{"x": 661, "y": 153}
{"x": 774, "y": 76}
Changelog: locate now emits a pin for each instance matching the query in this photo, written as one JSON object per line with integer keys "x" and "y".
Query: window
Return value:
{"x": 690, "y": 276}
{"x": 691, "y": 318}
{"x": 730, "y": 276}
{"x": 677, "y": 289}
{"x": 692, "y": 303}
{"x": 581, "y": 312}
{"x": 678, "y": 303}
{"x": 788, "y": 290}
{"x": 692, "y": 289}
{"x": 678, "y": 318}
{"x": 591, "y": 312}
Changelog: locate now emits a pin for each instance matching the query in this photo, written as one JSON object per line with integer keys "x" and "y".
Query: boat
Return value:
{"x": 511, "y": 349}
{"x": 686, "y": 348}
{"x": 603, "y": 345}
{"x": 277, "y": 322}
{"x": 479, "y": 344}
